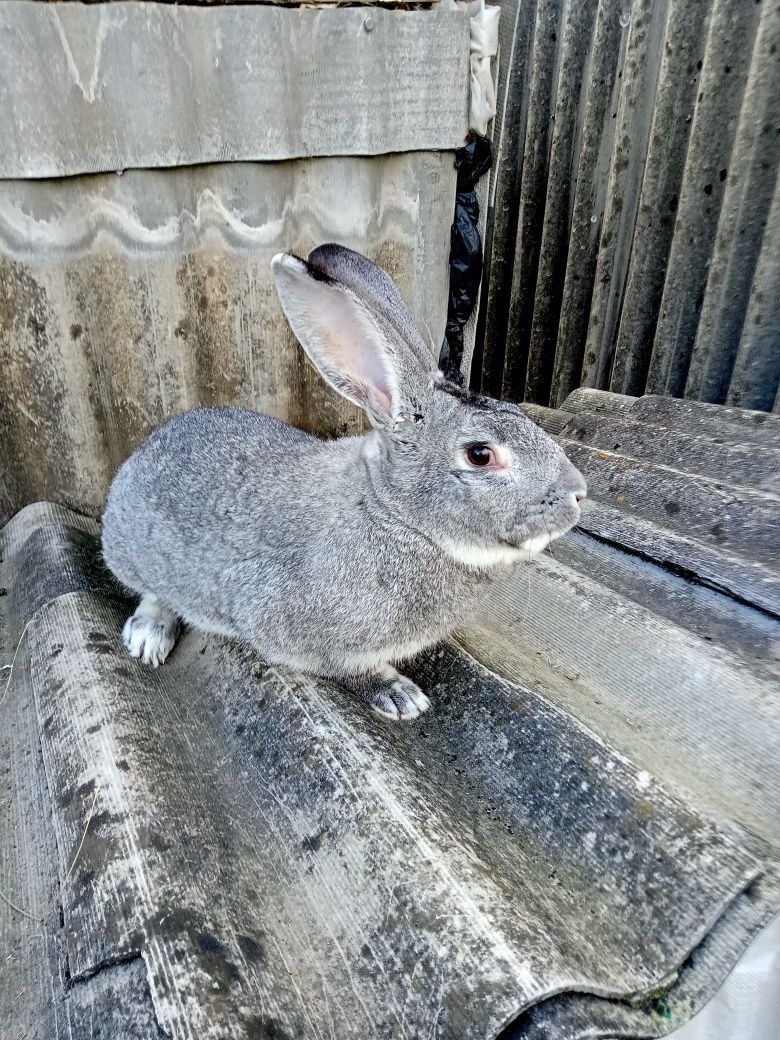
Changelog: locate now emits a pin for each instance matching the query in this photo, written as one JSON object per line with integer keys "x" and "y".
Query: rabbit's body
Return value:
{"x": 287, "y": 544}
{"x": 337, "y": 557}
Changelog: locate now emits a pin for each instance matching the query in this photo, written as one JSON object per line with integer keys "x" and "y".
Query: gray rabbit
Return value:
{"x": 339, "y": 558}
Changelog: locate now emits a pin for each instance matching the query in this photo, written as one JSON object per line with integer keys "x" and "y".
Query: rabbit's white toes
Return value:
{"x": 151, "y": 632}
{"x": 400, "y": 700}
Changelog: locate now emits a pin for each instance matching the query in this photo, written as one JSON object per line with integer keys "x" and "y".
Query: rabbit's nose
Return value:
{"x": 572, "y": 480}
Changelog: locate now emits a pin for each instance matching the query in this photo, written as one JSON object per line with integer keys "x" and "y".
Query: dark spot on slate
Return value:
{"x": 214, "y": 959}
{"x": 717, "y": 533}
{"x": 86, "y": 879}
{"x": 672, "y": 508}
{"x": 125, "y": 671}
{"x": 85, "y": 789}
{"x": 75, "y": 331}
{"x": 124, "y": 765}
{"x": 93, "y": 728}
{"x": 251, "y": 949}
{"x": 3, "y": 592}
{"x": 262, "y": 1027}
{"x": 99, "y": 648}
{"x": 723, "y": 175}
{"x": 102, "y": 817}
{"x": 83, "y": 890}
{"x": 708, "y": 189}
{"x": 56, "y": 650}
{"x": 149, "y": 838}
{"x": 313, "y": 843}
{"x": 211, "y": 953}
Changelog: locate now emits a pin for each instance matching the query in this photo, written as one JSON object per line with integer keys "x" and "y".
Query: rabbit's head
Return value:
{"x": 473, "y": 474}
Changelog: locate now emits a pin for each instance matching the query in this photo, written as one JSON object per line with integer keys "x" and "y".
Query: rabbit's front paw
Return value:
{"x": 400, "y": 699}
{"x": 389, "y": 693}
{"x": 151, "y": 632}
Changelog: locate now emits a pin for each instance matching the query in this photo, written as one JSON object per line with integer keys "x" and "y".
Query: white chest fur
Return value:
{"x": 483, "y": 557}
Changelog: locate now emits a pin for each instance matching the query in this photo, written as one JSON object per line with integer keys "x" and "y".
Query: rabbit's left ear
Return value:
{"x": 376, "y": 289}
{"x": 357, "y": 350}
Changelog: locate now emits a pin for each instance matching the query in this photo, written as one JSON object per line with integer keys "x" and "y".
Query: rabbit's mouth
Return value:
{"x": 551, "y": 520}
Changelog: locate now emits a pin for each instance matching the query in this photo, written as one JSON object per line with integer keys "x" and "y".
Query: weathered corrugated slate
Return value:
{"x": 634, "y": 236}
{"x": 642, "y": 623}
{"x": 125, "y": 300}
{"x": 99, "y": 87}
{"x": 280, "y": 862}
{"x": 689, "y": 485}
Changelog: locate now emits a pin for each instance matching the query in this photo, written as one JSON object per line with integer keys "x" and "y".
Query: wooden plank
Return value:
{"x": 127, "y": 85}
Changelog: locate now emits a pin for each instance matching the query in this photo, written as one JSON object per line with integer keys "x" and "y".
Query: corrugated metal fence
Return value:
{"x": 634, "y": 236}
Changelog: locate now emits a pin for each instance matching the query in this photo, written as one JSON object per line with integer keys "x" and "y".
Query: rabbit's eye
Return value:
{"x": 480, "y": 455}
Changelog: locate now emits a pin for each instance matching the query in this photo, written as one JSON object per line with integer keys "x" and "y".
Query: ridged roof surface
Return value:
{"x": 220, "y": 849}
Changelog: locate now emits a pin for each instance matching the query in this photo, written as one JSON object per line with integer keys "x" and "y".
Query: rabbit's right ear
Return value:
{"x": 349, "y": 343}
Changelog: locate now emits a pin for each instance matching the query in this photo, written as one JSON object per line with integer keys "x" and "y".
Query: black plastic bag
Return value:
{"x": 471, "y": 161}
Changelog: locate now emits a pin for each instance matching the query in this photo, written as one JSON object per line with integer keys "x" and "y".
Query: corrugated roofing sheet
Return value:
{"x": 115, "y": 86}
{"x": 239, "y": 851}
{"x": 634, "y": 238}
{"x": 125, "y": 300}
